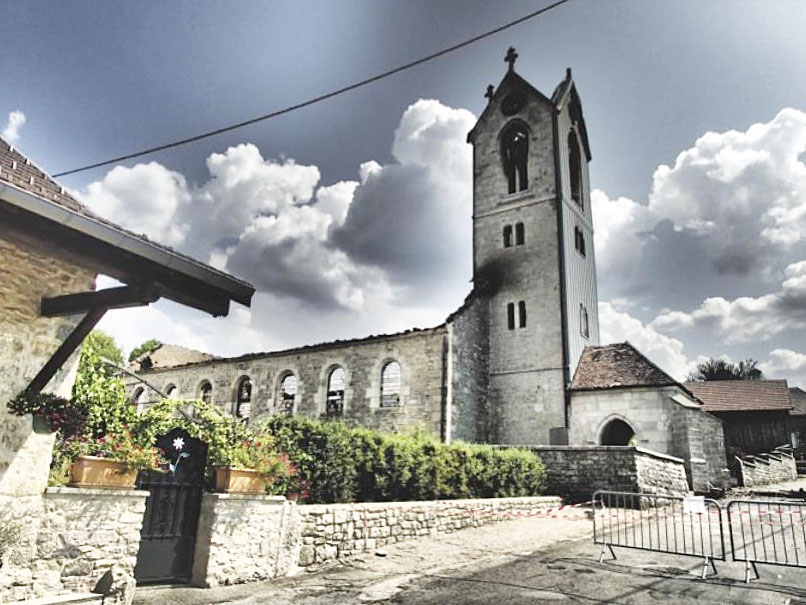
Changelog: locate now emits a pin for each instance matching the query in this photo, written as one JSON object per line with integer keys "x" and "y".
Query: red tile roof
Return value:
{"x": 742, "y": 395}
{"x": 617, "y": 366}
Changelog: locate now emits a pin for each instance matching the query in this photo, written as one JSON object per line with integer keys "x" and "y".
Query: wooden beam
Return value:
{"x": 110, "y": 298}
{"x": 71, "y": 343}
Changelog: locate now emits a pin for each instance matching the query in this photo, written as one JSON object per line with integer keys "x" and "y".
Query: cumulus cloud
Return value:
{"x": 786, "y": 363}
{"x": 730, "y": 211}
{"x": 403, "y": 226}
{"x": 16, "y": 120}
{"x": 666, "y": 352}
{"x": 747, "y": 318}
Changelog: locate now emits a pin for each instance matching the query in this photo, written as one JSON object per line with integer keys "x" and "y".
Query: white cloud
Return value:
{"x": 666, "y": 352}
{"x": 746, "y": 318}
{"x": 786, "y": 363}
{"x": 16, "y": 120}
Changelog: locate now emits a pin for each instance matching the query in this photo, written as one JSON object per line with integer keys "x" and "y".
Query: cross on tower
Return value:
{"x": 490, "y": 92}
{"x": 511, "y": 57}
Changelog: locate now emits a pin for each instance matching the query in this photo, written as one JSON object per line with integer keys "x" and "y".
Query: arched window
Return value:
{"x": 206, "y": 392}
{"x": 390, "y": 385}
{"x": 507, "y": 236}
{"x": 584, "y": 328}
{"x": 137, "y": 395}
{"x": 243, "y": 398}
{"x": 579, "y": 240}
{"x": 511, "y": 316}
{"x": 522, "y": 314}
{"x": 617, "y": 432}
{"x": 519, "y": 234}
{"x": 335, "y": 393}
{"x": 575, "y": 168}
{"x": 515, "y": 156}
{"x": 288, "y": 391}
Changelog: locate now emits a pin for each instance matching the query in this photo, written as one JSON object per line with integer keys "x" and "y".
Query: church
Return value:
{"x": 520, "y": 361}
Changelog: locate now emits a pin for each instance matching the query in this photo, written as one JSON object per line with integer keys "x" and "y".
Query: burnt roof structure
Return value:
{"x": 742, "y": 395}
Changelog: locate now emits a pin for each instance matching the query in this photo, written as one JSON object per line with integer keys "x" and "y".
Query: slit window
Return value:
{"x": 575, "y": 168}
{"x": 243, "y": 398}
{"x": 288, "y": 391}
{"x": 522, "y": 314}
{"x": 511, "y": 316}
{"x": 519, "y": 234}
{"x": 584, "y": 327}
{"x": 507, "y": 236}
{"x": 579, "y": 240}
{"x": 515, "y": 155}
{"x": 390, "y": 385}
{"x": 335, "y": 394}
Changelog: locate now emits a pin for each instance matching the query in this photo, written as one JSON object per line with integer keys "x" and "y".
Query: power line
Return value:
{"x": 320, "y": 98}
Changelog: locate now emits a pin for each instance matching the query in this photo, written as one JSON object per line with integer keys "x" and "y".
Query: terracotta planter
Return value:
{"x": 239, "y": 481}
{"x": 92, "y": 471}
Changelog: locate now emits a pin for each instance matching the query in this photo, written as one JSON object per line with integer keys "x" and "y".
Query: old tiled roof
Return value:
{"x": 798, "y": 396}
{"x": 742, "y": 395}
{"x": 617, "y": 366}
{"x": 167, "y": 356}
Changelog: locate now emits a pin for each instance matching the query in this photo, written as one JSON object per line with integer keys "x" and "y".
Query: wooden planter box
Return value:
{"x": 239, "y": 481}
{"x": 92, "y": 471}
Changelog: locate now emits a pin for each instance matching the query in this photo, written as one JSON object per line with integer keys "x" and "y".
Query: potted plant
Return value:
{"x": 251, "y": 466}
{"x": 50, "y": 412}
{"x": 113, "y": 461}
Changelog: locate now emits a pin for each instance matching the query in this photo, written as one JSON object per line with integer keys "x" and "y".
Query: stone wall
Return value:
{"x": 419, "y": 353}
{"x": 575, "y": 472}
{"x": 81, "y": 534}
{"x": 333, "y": 531}
{"x": 469, "y": 366}
{"x": 244, "y": 538}
{"x": 764, "y": 469}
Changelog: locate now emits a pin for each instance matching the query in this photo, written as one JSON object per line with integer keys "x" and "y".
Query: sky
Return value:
{"x": 352, "y": 217}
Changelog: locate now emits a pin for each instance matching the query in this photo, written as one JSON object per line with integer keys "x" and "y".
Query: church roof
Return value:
{"x": 167, "y": 356}
{"x": 617, "y": 366}
{"x": 35, "y": 204}
{"x": 742, "y": 395}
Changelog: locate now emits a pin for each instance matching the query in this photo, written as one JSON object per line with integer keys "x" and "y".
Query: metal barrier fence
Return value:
{"x": 670, "y": 524}
{"x": 770, "y": 532}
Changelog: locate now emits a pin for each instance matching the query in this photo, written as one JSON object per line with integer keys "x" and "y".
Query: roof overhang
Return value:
{"x": 111, "y": 250}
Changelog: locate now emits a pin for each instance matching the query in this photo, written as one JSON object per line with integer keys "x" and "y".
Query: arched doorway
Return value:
{"x": 617, "y": 432}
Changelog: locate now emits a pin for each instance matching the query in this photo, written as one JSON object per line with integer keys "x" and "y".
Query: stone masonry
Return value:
{"x": 764, "y": 469}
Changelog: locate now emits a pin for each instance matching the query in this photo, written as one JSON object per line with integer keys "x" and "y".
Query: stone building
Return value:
{"x": 51, "y": 249}
{"x": 500, "y": 368}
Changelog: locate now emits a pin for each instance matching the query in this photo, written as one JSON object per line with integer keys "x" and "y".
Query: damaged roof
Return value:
{"x": 742, "y": 395}
{"x": 616, "y": 366}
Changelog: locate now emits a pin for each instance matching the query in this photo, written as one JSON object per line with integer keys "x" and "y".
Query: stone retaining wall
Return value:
{"x": 81, "y": 534}
{"x": 247, "y": 538}
{"x": 333, "y": 531}
{"x": 576, "y": 471}
{"x": 767, "y": 468}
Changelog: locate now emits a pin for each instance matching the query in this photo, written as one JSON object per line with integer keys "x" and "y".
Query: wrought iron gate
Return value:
{"x": 168, "y": 536}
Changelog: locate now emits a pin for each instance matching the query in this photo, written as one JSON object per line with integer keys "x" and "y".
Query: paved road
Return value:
{"x": 521, "y": 561}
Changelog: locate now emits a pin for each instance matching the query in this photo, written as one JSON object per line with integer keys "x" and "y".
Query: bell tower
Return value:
{"x": 533, "y": 253}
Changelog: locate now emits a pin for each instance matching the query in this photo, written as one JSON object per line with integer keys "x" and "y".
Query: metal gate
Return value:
{"x": 168, "y": 536}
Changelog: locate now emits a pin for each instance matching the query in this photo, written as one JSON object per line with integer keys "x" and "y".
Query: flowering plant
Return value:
{"x": 59, "y": 413}
{"x": 123, "y": 447}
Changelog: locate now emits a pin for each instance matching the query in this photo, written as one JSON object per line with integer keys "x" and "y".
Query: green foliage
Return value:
{"x": 58, "y": 412}
{"x": 149, "y": 346}
{"x": 344, "y": 464}
{"x": 721, "y": 369}
{"x": 104, "y": 345}
{"x": 134, "y": 451}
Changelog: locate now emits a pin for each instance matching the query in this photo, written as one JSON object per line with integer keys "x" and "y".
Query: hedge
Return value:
{"x": 347, "y": 464}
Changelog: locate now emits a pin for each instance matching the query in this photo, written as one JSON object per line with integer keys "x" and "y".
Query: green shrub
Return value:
{"x": 347, "y": 464}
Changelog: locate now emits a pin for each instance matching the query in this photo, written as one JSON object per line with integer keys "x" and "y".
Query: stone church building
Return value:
{"x": 500, "y": 369}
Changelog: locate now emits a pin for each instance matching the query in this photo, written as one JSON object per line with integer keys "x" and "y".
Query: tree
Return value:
{"x": 104, "y": 346}
{"x": 149, "y": 346}
{"x": 721, "y": 369}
